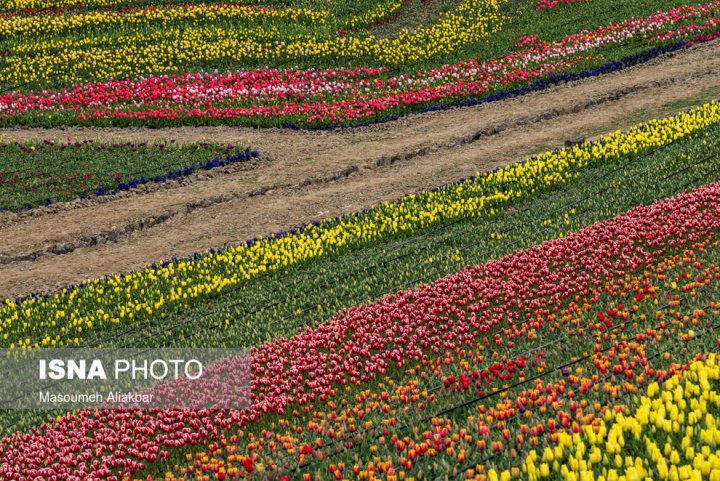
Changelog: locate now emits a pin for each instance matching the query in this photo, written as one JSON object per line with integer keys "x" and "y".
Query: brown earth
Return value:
{"x": 304, "y": 176}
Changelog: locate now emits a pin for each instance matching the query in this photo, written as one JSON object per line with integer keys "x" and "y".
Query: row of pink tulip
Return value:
{"x": 340, "y": 95}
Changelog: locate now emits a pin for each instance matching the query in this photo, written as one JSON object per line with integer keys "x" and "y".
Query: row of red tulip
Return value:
{"x": 553, "y": 370}
{"x": 364, "y": 344}
{"x": 339, "y": 95}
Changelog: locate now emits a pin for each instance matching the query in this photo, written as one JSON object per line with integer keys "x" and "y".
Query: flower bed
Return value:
{"x": 596, "y": 288}
{"x": 376, "y": 89}
{"x": 46, "y": 172}
{"x": 115, "y": 304}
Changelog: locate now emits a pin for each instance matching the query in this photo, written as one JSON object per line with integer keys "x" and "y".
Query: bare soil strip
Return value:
{"x": 305, "y": 176}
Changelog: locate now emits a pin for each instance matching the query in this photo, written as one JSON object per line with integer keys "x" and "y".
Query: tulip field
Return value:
{"x": 552, "y": 313}
{"x": 556, "y": 318}
{"x": 313, "y": 63}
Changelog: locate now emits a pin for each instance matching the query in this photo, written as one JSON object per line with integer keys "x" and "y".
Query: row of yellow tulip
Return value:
{"x": 155, "y": 291}
{"x": 164, "y": 50}
{"x": 45, "y": 4}
{"x": 380, "y": 12}
{"x": 672, "y": 434}
{"x": 37, "y": 26}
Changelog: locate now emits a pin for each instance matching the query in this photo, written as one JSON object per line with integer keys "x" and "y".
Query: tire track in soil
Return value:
{"x": 306, "y": 176}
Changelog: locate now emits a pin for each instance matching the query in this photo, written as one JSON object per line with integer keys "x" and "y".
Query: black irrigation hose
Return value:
{"x": 505, "y": 389}
{"x": 529, "y": 351}
{"x": 429, "y": 390}
{"x": 552, "y": 342}
{"x": 710, "y": 330}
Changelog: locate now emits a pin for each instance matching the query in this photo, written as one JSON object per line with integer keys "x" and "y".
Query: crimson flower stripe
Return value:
{"x": 341, "y": 96}
{"x": 364, "y": 342}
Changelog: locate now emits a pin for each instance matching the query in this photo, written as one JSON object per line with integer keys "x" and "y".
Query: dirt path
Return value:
{"x": 306, "y": 176}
